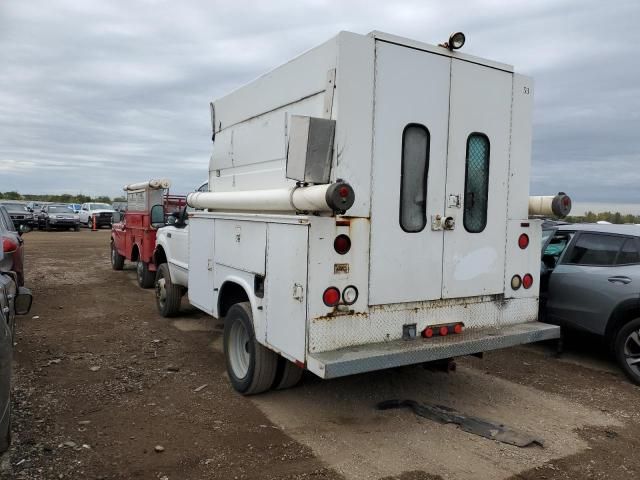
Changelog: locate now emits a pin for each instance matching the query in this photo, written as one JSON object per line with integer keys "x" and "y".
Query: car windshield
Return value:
{"x": 59, "y": 209}
{"x": 546, "y": 234}
{"x": 101, "y": 206}
{"x": 15, "y": 207}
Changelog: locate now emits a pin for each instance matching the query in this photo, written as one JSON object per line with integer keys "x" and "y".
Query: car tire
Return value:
{"x": 47, "y": 227}
{"x": 288, "y": 374}
{"x": 627, "y": 349}
{"x": 5, "y": 430}
{"x": 117, "y": 260}
{"x": 146, "y": 278}
{"x": 76, "y": 228}
{"x": 251, "y": 366}
{"x": 168, "y": 295}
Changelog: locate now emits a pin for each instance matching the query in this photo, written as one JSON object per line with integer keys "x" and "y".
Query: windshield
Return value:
{"x": 59, "y": 209}
{"x": 546, "y": 234}
{"x": 15, "y": 207}
{"x": 101, "y": 206}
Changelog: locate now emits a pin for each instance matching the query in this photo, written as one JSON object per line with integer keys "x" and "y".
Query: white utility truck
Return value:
{"x": 367, "y": 209}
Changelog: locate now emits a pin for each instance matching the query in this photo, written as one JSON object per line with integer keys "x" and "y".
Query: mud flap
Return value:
{"x": 477, "y": 426}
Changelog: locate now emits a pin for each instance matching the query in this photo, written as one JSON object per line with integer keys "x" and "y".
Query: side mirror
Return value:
{"x": 157, "y": 216}
{"x": 24, "y": 229}
{"x": 22, "y": 302}
{"x": 172, "y": 220}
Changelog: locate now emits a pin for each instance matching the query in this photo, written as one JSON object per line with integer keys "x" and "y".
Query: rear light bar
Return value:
{"x": 443, "y": 330}
{"x": 523, "y": 241}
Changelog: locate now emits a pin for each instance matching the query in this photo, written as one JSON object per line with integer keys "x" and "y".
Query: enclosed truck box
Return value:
{"x": 368, "y": 208}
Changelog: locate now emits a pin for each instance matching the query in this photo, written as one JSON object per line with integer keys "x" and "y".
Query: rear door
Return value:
{"x": 408, "y": 184}
{"x": 476, "y": 180}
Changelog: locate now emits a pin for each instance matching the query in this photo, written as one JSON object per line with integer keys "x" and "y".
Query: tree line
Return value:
{"x": 61, "y": 198}
{"x": 612, "y": 217}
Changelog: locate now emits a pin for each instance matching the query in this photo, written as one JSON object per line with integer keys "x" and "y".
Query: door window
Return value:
{"x": 629, "y": 253}
{"x": 413, "y": 178}
{"x": 595, "y": 249}
{"x": 476, "y": 194}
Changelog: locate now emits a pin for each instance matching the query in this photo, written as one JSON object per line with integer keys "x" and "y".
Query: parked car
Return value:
{"x": 14, "y": 300}
{"x": 58, "y": 216}
{"x": 19, "y": 213}
{"x": 74, "y": 207}
{"x": 590, "y": 280}
{"x": 12, "y": 245}
{"x": 102, "y": 211}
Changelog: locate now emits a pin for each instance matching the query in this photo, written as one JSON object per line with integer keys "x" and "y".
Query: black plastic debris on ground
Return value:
{"x": 477, "y": 426}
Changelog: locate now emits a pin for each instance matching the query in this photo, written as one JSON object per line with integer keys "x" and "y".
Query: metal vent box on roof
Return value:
{"x": 310, "y": 149}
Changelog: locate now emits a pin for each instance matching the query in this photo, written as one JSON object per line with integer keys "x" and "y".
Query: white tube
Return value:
{"x": 317, "y": 198}
{"x": 154, "y": 184}
{"x": 550, "y": 205}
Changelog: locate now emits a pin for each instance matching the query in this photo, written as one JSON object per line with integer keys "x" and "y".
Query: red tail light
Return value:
{"x": 527, "y": 280}
{"x": 427, "y": 332}
{"x": 523, "y": 241}
{"x": 342, "y": 244}
{"x": 331, "y": 297}
{"x": 344, "y": 192}
{"x": 457, "y": 328}
{"x": 8, "y": 245}
{"x": 444, "y": 331}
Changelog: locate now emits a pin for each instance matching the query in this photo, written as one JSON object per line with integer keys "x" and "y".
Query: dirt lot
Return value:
{"x": 101, "y": 380}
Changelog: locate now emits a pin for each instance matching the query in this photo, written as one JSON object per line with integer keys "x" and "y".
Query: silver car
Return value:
{"x": 590, "y": 280}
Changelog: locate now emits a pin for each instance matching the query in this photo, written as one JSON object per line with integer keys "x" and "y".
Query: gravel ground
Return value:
{"x": 104, "y": 388}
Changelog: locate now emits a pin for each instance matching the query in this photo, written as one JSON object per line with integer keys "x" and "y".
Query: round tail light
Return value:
{"x": 527, "y": 280}
{"x": 350, "y": 295}
{"x": 8, "y": 245}
{"x": 523, "y": 241}
{"x": 342, "y": 244}
{"x": 458, "y": 328}
{"x": 444, "y": 331}
{"x": 516, "y": 282}
{"x": 331, "y": 297}
{"x": 427, "y": 332}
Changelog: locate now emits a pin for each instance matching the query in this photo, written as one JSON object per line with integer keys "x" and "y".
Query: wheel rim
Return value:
{"x": 632, "y": 351}
{"x": 239, "y": 355}
{"x": 161, "y": 291}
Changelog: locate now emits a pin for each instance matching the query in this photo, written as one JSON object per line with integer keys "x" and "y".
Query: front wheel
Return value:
{"x": 251, "y": 366}
{"x": 168, "y": 295}
{"x": 145, "y": 277}
{"x": 117, "y": 260}
{"x": 627, "y": 349}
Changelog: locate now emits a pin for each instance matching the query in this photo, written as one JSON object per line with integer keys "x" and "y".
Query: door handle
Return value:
{"x": 619, "y": 279}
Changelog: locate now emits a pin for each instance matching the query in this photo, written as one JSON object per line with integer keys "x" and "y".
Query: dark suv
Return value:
{"x": 590, "y": 280}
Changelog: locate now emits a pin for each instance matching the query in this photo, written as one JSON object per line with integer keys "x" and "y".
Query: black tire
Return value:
{"x": 627, "y": 349}
{"x": 117, "y": 260}
{"x": 76, "y": 228}
{"x": 261, "y": 363}
{"x": 146, "y": 278}
{"x": 288, "y": 374}
{"x": 168, "y": 295}
{"x": 47, "y": 227}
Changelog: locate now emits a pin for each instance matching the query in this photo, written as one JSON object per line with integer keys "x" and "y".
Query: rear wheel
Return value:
{"x": 168, "y": 295}
{"x": 288, "y": 374}
{"x": 627, "y": 349}
{"x": 145, "y": 277}
{"x": 251, "y": 366}
{"x": 117, "y": 260}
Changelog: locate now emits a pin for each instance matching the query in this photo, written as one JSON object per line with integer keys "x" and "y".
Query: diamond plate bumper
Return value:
{"x": 378, "y": 356}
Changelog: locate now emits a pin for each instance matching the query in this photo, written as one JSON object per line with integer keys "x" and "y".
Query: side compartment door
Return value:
{"x": 201, "y": 248}
{"x": 409, "y": 154}
{"x": 477, "y": 179}
{"x": 285, "y": 289}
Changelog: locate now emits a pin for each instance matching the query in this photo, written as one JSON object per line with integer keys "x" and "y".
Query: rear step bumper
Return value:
{"x": 378, "y": 356}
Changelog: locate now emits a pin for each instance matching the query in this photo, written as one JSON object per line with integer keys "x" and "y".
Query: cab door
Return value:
{"x": 409, "y": 158}
{"x": 476, "y": 180}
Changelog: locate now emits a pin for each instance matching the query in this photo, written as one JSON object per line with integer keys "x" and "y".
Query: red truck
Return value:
{"x": 132, "y": 237}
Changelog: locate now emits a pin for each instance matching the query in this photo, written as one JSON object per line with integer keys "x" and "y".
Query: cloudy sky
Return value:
{"x": 97, "y": 93}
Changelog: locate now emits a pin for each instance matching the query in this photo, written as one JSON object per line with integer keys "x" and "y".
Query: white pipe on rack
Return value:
{"x": 316, "y": 198}
{"x": 550, "y": 205}
{"x": 154, "y": 184}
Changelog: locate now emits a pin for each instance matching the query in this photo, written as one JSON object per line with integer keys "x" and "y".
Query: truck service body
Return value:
{"x": 434, "y": 255}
